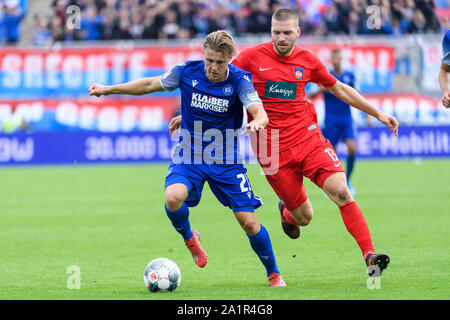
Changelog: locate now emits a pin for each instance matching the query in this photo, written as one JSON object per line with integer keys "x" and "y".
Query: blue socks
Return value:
{"x": 259, "y": 242}
{"x": 180, "y": 221}
{"x": 350, "y": 165}
{"x": 262, "y": 246}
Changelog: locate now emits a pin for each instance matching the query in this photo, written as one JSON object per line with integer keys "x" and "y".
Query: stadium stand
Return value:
{"x": 176, "y": 19}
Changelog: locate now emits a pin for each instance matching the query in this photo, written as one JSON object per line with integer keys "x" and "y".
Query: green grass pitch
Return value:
{"x": 110, "y": 222}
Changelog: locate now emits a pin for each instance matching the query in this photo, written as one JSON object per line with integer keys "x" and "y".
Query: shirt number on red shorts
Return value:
{"x": 244, "y": 180}
{"x": 332, "y": 154}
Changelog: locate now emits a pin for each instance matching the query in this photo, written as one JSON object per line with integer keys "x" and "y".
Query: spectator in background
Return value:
{"x": 91, "y": 23}
{"x": 202, "y": 21}
{"x": 122, "y": 30}
{"x": 171, "y": 27}
{"x": 57, "y": 29}
{"x": 14, "y": 12}
{"x": 260, "y": 17}
{"x": 136, "y": 26}
{"x": 333, "y": 20}
{"x": 240, "y": 21}
{"x": 109, "y": 23}
{"x": 150, "y": 25}
{"x": 41, "y": 35}
{"x": 185, "y": 18}
{"x": 418, "y": 23}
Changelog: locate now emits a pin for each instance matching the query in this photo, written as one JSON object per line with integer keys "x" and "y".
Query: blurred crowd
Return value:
{"x": 186, "y": 19}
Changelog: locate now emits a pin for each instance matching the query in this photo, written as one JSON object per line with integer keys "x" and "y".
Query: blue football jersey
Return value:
{"x": 335, "y": 108}
{"x": 211, "y": 112}
{"x": 446, "y": 48}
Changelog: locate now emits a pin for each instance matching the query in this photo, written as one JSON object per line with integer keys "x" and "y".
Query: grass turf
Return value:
{"x": 110, "y": 221}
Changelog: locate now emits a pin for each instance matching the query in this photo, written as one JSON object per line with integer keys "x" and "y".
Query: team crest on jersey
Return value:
{"x": 228, "y": 90}
{"x": 298, "y": 73}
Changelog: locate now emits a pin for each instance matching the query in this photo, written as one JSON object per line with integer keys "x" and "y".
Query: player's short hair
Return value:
{"x": 285, "y": 14}
{"x": 220, "y": 41}
{"x": 336, "y": 50}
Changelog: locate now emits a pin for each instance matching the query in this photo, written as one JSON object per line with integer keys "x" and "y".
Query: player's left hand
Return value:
{"x": 390, "y": 121}
{"x": 252, "y": 126}
{"x": 175, "y": 123}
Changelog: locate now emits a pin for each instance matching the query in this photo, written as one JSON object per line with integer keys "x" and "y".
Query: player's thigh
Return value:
{"x": 288, "y": 185}
{"x": 321, "y": 162}
{"x": 349, "y": 137}
{"x": 231, "y": 186}
{"x": 183, "y": 183}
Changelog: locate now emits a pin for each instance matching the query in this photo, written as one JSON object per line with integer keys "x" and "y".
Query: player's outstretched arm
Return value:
{"x": 136, "y": 87}
{"x": 444, "y": 83}
{"x": 260, "y": 118}
{"x": 353, "y": 98}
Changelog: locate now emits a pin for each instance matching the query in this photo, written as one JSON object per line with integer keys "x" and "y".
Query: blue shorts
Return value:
{"x": 229, "y": 183}
{"x": 339, "y": 131}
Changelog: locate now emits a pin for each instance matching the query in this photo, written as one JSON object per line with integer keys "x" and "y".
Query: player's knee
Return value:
{"x": 343, "y": 195}
{"x": 173, "y": 200}
{"x": 306, "y": 217}
{"x": 250, "y": 226}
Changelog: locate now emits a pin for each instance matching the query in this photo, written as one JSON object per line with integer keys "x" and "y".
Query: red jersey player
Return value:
{"x": 280, "y": 73}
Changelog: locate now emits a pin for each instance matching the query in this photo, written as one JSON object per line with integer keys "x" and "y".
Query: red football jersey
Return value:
{"x": 280, "y": 82}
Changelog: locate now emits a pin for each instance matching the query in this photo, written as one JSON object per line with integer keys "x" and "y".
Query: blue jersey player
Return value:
{"x": 445, "y": 70}
{"x": 213, "y": 93}
{"x": 338, "y": 124}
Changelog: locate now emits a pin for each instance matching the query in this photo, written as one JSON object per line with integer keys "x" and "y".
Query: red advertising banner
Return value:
{"x": 68, "y": 72}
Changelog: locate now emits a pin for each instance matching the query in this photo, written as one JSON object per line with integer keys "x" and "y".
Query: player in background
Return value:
{"x": 338, "y": 124}
{"x": 280, "y": 71}
{"x": 444, "y": 71}
{"x": 212, "y": 94}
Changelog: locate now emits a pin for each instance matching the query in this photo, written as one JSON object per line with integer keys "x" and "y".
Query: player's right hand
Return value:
{"x": 175, "y": 123}
{"x": 446, "y": 100}
{"x": 98, "y": 90}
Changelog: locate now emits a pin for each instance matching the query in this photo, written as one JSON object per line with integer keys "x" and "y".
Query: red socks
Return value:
{"x": 356, "y": 225}
{"x": 288, "y": 217}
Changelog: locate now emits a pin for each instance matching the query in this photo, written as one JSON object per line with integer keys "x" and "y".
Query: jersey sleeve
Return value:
{"x": 246, "y": 91}
{"x": 446, "y": 48}
{"x": 320, "y": 75}
{"x": 171, "y": 79}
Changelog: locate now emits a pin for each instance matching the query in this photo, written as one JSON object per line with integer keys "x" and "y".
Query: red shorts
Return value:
{"x": 314, "y": 158}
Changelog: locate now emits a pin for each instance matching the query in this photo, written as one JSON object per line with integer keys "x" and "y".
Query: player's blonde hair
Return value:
{"x": 285, "y": 14}
{"x": 220, "y": 41}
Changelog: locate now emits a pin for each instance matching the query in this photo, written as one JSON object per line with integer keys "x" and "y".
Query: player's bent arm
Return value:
{"x": 258, "y": 113}
{"x": 136, "y": 87}
{"x": 353, "y": 98}
{"x": 260, "y": 118}
{"x": 356, "y": 100}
